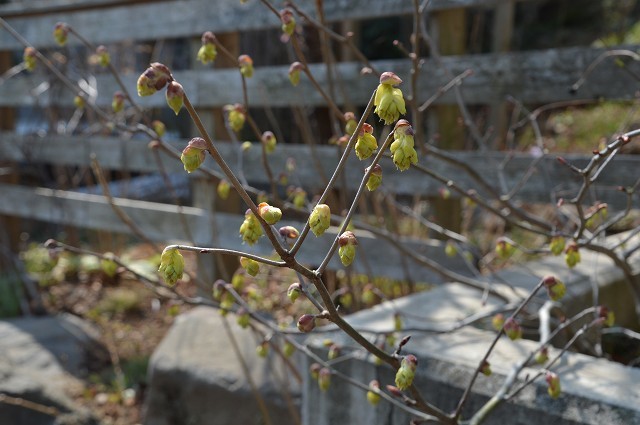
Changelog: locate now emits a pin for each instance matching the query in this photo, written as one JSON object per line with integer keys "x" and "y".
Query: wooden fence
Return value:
{"x": 532, "y": 77}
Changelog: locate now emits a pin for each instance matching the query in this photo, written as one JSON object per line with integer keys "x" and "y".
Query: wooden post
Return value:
{"x": 8, "y": 171}
{"x": 451, "y": 27}
{"x": 502, "y": 32}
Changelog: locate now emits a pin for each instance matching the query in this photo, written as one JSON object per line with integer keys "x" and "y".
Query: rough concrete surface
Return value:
{"x": 196, "y": 377}
{"x": 594, "y": 391}
{"x": 40, "y": 357}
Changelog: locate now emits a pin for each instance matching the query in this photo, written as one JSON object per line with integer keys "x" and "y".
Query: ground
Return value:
{"x": 132, "y": 321}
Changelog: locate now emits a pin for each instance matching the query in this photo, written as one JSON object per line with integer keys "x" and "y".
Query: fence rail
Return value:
{"x": 548, "y": 181}
{"x": 185, "y": 18}
{"x": 532, "y": 77}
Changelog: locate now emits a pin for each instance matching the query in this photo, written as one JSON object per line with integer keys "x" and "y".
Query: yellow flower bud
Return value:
{"x": 555, "y": 287}
{"x": 194, "y": 154}
{"x": 251, "y": 266}
{"x": 153, "y": 79}
{"x": 246, "y": 65}
{"x": 207, "y": 52}
{"x": 504, "y": 248}
{"x": 347, "y": 250}
{"x": 250, "y": 229}
{"x": 557, "y": 245}
{"x": 512, "y": 329}
{"x": 235, "y": 116}
{"x": 497, "y": 321}
{"x": 485, "y": 369}
{"x": 334, "y": 352}
{"x": 320, "y": 219}
{"x": 171, "y": 265}
{"x": 324, "y": 379}
{"x": 288, "y": 349}
{"x": 79, "y": 102}
{"x": 117, "y": 103}
{"x": 288, "y": 22}
{"x": 223, "y": 189}
{"x": 350, "y": 123}
{"x": 366, "y": 142}
{"x": 30, "y": 58}
{"x": 237, "y": 281}
{"x": 243, "y": 318}
{"x": 450, "y": 249}
{"x": 269, "y": 141}
{"x": 294, "y": 73}
{"x": 406, "y": 372}
{"x": 269, "y": 213}
{"x": 314, "y": 371}
{"x": 373, "y": 395}
{"x": 542, "y": 355}
{"x": 61, "y": 33}
{"x": 299, "y": 198}
{"x": 175, "y": 96}
{"x": 108, "y": 266}
{"x": 159, "y": 127}
{"x": 572, "y": 254}
{"x": 263, "y": 349}
{"x": 553, "y": 384}
{"x": 375, "y": 178}
{"x": 294, "y": 291}
{"x": 102, "y": 54}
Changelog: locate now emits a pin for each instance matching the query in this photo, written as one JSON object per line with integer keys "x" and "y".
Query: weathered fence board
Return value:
{"x": 185, "y": 18}
{"x": 549, "y": 180}
{"x": 160, "y": 223}
{"x": 530, "y": 77}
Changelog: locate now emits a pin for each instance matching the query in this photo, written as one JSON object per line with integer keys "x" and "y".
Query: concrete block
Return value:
{"x": 196, "y": 378}
{"x": 595, "y": 391}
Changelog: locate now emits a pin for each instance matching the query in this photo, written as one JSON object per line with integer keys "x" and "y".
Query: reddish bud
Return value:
{"x": 306, "y": 323}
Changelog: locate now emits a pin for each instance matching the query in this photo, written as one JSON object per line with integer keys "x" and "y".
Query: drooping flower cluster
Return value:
{"x": 171, "y": 265}
{"x": 402, "y": 148}
{"x": 388, "y": 99}
{"x": 375, "y": 178}
{"x": 366, "y": 143}
{"x": 250, "y": 229}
